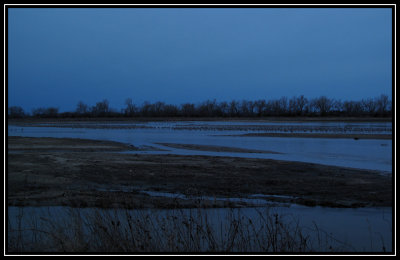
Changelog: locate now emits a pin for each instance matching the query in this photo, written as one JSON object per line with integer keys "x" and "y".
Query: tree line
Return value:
{"x": 289, "y": 107}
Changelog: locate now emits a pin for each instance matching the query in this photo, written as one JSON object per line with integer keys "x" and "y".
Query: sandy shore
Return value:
{"x": 86, "y": 173}
{"x": 16, "y": 143}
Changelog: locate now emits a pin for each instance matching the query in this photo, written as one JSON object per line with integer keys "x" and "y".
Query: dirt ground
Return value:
{"x": 87, "y": 173}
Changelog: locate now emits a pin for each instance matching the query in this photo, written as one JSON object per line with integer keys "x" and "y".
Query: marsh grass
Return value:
{"x": 166, "y": 231}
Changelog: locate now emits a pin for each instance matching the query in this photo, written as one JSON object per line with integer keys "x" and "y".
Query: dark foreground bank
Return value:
{"x": 86, "y": 173}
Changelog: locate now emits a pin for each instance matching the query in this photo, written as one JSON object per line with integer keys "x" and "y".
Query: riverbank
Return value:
{"x": 214, "y": 148}
{"x": 86, "y": 173}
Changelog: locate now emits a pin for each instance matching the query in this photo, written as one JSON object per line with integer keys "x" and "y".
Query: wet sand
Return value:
{"x": 19, "y": 144}
{"x": 88, "y": 173}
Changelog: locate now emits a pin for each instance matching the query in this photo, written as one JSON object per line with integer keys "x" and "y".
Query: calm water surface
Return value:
{"x": 348, "y": 230}
{"x": 363, "y": 154}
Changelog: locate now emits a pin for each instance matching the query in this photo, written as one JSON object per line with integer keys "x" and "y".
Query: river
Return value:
{"x": 363, "y": 229}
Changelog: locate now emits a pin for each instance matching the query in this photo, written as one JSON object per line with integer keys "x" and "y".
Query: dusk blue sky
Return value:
{"x": 60, "y": 56}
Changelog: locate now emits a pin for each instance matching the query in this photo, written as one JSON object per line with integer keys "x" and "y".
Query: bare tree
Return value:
{"x": 352, "y": 108}
{"x": 283, "y": 106}
{"x": 322, "y": 105}
{"x": 130, "y": 109}
{"x": 275, "y": 107}
{"x": 45, "y": 112}
{"x": 368, "y": 106}
{"x": 208, "y": 108}
{"x": 81, "y": 108}
{"x": 246, "y": 108}
{"x": 382, "y": 104}
{"x": 260, "y": 106}
{"x": 38, "y": 112}
{"x": 188, "y": 109}
{"x": 101, "y": 108}
{"x": 224, "y": 108}
{"x": 295, "y": 106}
{"x": 16, "y": 112}
{"x": 292, "y": 106}
{"x": 301, "y": 103}
{"x": 170, "y": 110}
{"x": 158, "y": 108}
{"x": 145, "y": 109}
{"x": 233, "y": 108}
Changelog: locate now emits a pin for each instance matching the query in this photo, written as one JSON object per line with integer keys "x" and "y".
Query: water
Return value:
{"x": 246, "y": 125}
{"x": 364, "y": 154}
{"x": 347, "y": 230}
{"x": 362, "y": 229}
{"x": 255, "y": 199}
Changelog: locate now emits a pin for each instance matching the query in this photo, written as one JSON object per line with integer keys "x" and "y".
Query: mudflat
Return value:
{"x": 19, "y": 144}
{"x": 89, "y": 173}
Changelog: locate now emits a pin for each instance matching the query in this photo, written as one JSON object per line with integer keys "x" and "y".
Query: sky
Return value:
{"x": 60, "y": 56}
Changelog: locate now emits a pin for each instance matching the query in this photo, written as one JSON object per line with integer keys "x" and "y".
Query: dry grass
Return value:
{"x": 171, "y": 231}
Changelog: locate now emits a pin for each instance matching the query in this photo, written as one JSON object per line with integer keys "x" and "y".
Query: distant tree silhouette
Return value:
{"x": 16, "y": 112}
{"x": 188, "y": 110}
{"x": 233, "y": 108}
{"x": 50, "y": 112}
{"x": 352, "y": 108}
{"x": 260, "y": 106}
{"x": 322, "y": 105}
{"x": 130, "y": 109}
{"x": 81, "y": 108}
{"x": 368, "y": 106}
{"x": 300, "y": 105}
{"x": 296, "y": 106}
{"x": 382, "y": 104}
{"x": 101, "y": 109}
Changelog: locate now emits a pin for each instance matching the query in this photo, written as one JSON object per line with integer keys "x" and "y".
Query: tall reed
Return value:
{"x": 169, "y": 231}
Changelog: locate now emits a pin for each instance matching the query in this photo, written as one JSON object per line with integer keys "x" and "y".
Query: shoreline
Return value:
{"x": 215, "y": 148}
{"x": 52, "y": 144}
{"x": 38, "y": 176}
